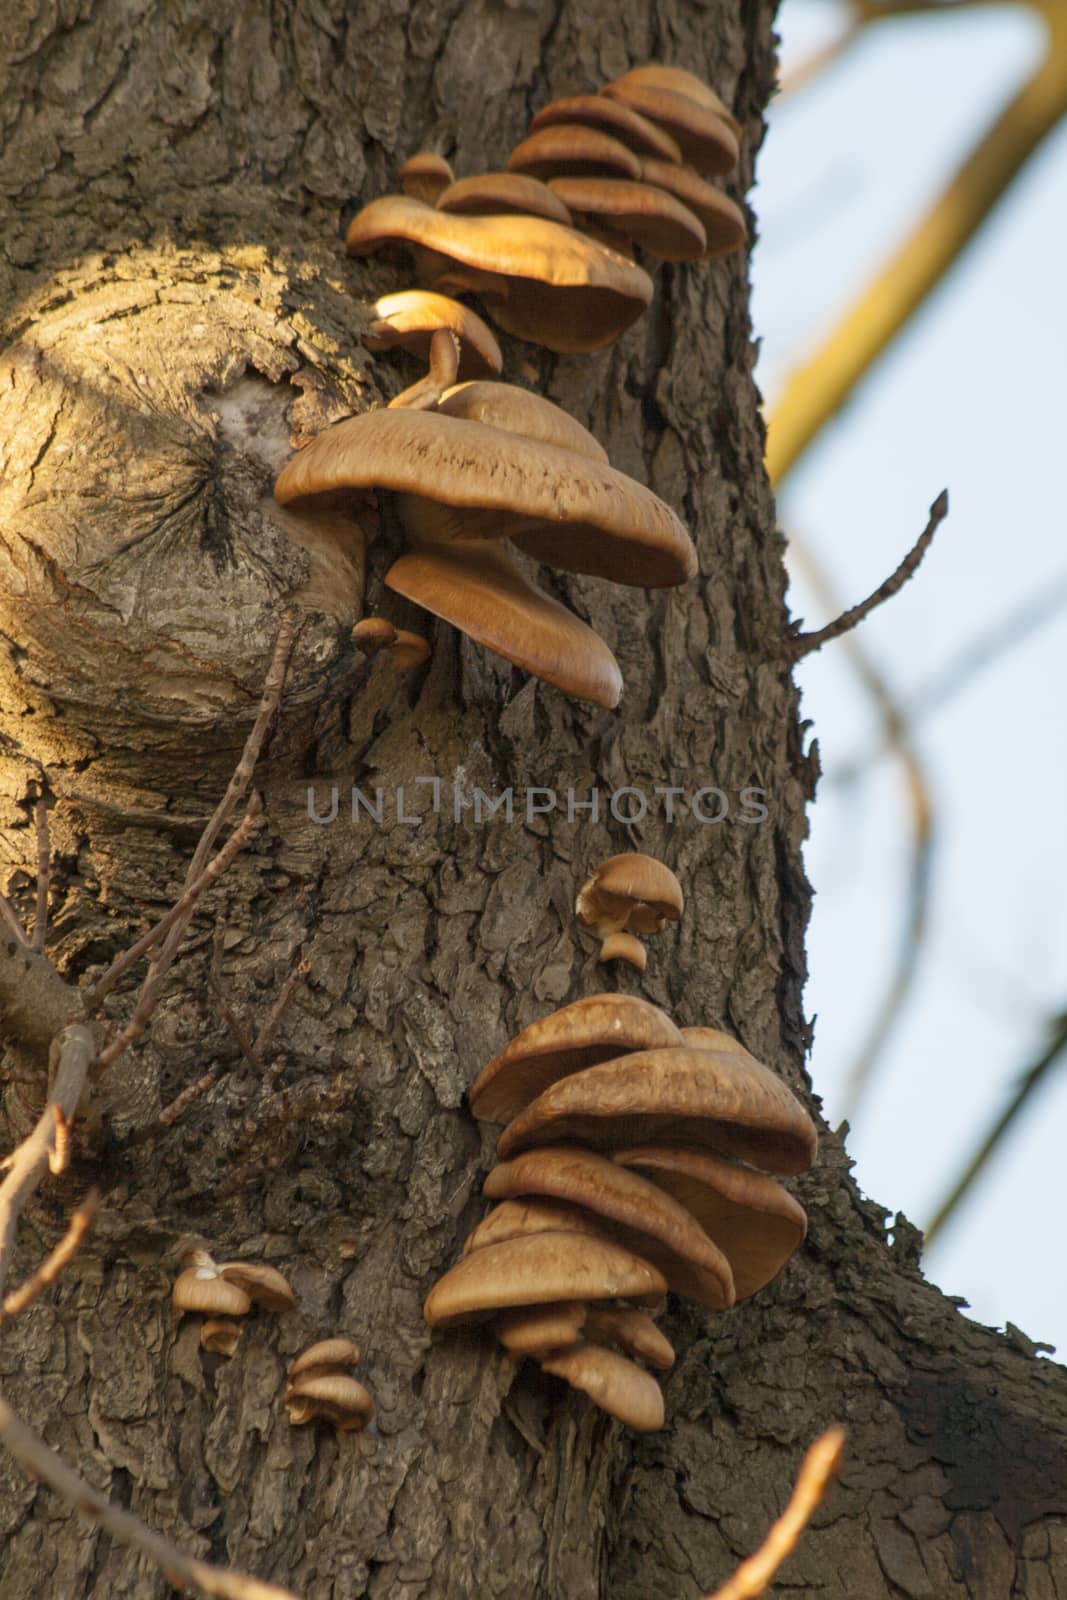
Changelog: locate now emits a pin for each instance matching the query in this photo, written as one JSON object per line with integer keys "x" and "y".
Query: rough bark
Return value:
{"x": 178, "y": 303}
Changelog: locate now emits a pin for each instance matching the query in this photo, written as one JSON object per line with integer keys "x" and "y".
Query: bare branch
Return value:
{"x": 270, "y": 700}
{"x": 59, "y": 1158}
{"x": 8, "y": 914}
{"x": 180, "y": 1570}
{"x": 265, "y": 1036}
{"x": 752, "y": 1576}
{"x": 73, "y": 1053}
{"x": 56, "y": 1260}
{"x": 35, "y": 1002}
{"x": 803, "y": 644}
{"x": 44, "y": 872}
{"x": 1030, "y": 1082}
{"x": 148, "y": 998}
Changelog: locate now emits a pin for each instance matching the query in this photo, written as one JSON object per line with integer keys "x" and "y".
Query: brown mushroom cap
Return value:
{"x": 618, "y": 1386}
{"x": 220, "y": 1335}
{"x": 757, "y": 1224}
{"x": 654, "y": 75}
{"x": 478, "y": 588}
{"x": 496, "y": 194}
{"x": 652, "y": 218}
{"x": 534, "y": 1330}
{"x": 709, "y": 1099}
{"x": 535, "y": 1269}
{"x": 324, "y": 1354}
{"x": 332, "y": 1396}
{"x": 602, "y": 522}
{"x": 723, "y": 221}
{"x": 408, "y": 320}
{"x": 599, "y": 1028}
{"x": 424, "y": 175}
{"x": 631, "y": 891}
{"x": 632, "y": 1331}
{"x": 614, "y": 117}
{"x": 568, "y": 149}
{"x": 372, "y": 634}
{"x": 540, "y": 280}
{"x": 505, "y": 405}
{"x": 705, "y": 138}
{"x": 263, "y": 1284}
{"x": 514, "y": 1219}
{"x": 624, "y": 947}
{"x": 201, "y": 1289}
{"x": 666, "y": 1235}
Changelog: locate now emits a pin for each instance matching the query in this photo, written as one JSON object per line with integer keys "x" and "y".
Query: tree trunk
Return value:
{"x": 177, "y": 304}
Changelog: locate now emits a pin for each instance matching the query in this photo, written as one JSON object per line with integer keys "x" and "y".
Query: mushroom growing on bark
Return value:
{"x": 424, "y": 176}
{"x": 626, "y": 895}
{"x": 463, "y": 485}
{"x": 539, "y": 280}
{"x": 320, "y": 1385}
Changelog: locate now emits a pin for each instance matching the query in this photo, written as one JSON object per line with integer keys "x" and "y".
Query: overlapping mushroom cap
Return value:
{"x": 540, "y": 281}
{"x": 536, "y": 1269}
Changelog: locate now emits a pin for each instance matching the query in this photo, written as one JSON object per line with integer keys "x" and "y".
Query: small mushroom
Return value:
{"x": 265, "y": 1285}
{"x": 727, "y": 1102}
{"x": 409, "y": 319}
{"x": 631, "y": 1331}
{"x": 629, "y": 894}
{"x": 333, "y": 1397}
{"x": 536, "y": 1269}
{"x": 705, "y": 137}
{"x": 319, "y": 1385}
{"x": 424, "y": 175}
{"x": 535, "y": 1330}
{"x": 498, "y": 194}
{"x": 618, "y": 1386}
{"x": 514, "y": 1219}
{"x": 220, "y": 1335}
{"x": 621, "y": 121}
{"x": 372, "y": 634}
{"x": 648, "y": 216}
{"x": 201, "y": 1289}
{"x": 407, "y": 650}
{"x": 624, "y": 947}
{"x": 599, "y": 1028}
{"x": 539, "y": 280}
{"x": 723, "y": 221}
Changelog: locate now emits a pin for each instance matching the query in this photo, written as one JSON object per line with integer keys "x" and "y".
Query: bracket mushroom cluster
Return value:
{"x": 548, "y": 245}
{"x": 635, "y": 1158}
{"x": 627, "y": 895}
{"x": 492, "y": 462}
{"x": 320, "y": 1384}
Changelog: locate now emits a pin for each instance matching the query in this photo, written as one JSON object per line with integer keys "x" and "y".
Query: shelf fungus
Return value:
{"x": 488, "y": 463}
{"x": 627, "y": 895}
{"x": 424, "y": 176}
{"x": 222, "y": 1292}
{"x": 600, "y": 1093}
{"x": 319, "y": 1384}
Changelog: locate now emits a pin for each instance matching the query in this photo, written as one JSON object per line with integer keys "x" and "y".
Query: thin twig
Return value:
{"x": 44, "y": 872}
{"x": 245, "y": 1042}
{"x": 150, "y": 989}
{"x": 753, "y": 1575}
{"x": 59, "y": 1156}
{"x": 1030, "y": 1081}
{"x": 265, "y": 1036}
{"x": 803, "y": 644}
{"x": 7, "y": 911}
{"x": 180, "y": 1570}
{"x": 56, "y": 1260}
{"x": 73, "y": 1051}
{"x": 173, "y": 1111}
{"x": 923, "y": 836}
{"x": 270, "y": 700}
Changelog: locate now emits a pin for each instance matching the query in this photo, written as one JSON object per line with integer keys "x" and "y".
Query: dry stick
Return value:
{"x": 265, "y": 1036}
{"x": 270, "y": 700}
{"x": 8, "y": 914}
{"x": 180, "y": 1571}
{"x": 73, "y": 1052}
{"x": 56, "y": 1260}
{"x": 150, "y": 989}
{"x": 753, "y": 1575}
{"x": 44, "y": 873}
{"x": 59, "y": 1159}
{"x": 1031, "y": 1081}
{"x": 921, "y": 809}
{"x": 803, "y": 644}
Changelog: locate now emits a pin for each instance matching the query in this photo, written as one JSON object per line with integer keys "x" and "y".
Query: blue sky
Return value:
{"x": 970, "y": 397}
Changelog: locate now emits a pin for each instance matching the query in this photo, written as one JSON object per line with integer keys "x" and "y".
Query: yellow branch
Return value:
{"x": 817, "y": 390}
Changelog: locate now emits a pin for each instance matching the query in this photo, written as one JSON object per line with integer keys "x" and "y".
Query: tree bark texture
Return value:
{"x": 178, "y": 307}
